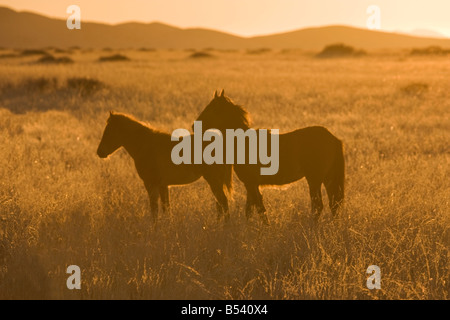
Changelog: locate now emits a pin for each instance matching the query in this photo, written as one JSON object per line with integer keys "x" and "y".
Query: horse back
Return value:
{"x": 313, "y": 147}
{"x": 303, "y": 152}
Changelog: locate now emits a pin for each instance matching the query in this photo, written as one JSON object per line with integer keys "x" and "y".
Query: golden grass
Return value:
{"x": 61, "y": 205}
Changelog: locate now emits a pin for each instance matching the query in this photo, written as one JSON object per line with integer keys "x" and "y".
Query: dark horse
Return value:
{"x": 311, "y": 152}
{"x": 151, "y": 151}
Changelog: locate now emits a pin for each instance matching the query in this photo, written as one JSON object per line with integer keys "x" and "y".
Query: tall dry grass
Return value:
{"x": 62, "y": 205}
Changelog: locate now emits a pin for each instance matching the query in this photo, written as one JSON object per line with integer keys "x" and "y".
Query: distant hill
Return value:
{"x": 30, "y": 30}
{"x": 427, "y": 33}
{"x": 317, "y": 38}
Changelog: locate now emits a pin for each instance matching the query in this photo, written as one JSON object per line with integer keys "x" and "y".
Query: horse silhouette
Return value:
{"x": 312, "y": 152}
{"x": 151, "y": 152}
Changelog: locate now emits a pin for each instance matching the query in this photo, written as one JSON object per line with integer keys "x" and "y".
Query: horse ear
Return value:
{"x": 215, "y": 94}
{"x": 222, "y": 94}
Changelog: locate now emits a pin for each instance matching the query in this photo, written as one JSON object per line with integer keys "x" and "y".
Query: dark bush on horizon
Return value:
{"x": 33, "y": 52}
{"x": 143, "y": 49}
{"x": 66, "y": 51}
{"x": 259, "y": 51}
{"x": 340, "y": 50}
{"x": 432, "y": 50}
{"x": 200, "y": 54}
{"x": 113, "y": 58}
{"x": 49, "y": 59}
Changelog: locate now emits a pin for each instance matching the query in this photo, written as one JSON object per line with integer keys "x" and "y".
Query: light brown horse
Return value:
{"x": 311, "y": 152}
{"x": 151, "y": 152}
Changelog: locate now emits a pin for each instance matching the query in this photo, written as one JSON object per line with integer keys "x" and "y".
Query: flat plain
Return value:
{"x": 61, "y": 205}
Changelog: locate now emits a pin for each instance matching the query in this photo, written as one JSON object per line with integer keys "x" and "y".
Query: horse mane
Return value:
{"x": 129, "y": 120}
{"x": 242, "y": 113}
{"x": 223, "y": 113}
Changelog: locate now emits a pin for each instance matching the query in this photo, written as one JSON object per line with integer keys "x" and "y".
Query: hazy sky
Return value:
{"x": 253, "y": 17}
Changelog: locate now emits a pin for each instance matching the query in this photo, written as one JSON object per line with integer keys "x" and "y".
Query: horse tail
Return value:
{"x": 340, "y": 173}
{"x": 336, "y": 178}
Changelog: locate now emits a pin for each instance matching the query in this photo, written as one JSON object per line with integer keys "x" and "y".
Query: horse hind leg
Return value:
{"x": 260, "y": 206}
{"x": 335, "y": 197}
{"x": 335, "y": 180}
{"x": 165, "y": 199}
{"x": 331, "y": 198}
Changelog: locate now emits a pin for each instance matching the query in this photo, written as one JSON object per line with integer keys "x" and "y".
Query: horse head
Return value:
{"x": 222, "y": 113}
{"x": 111, "y": 139}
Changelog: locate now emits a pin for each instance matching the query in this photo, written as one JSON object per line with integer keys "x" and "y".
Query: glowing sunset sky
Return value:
{"x": 253, "y": 17}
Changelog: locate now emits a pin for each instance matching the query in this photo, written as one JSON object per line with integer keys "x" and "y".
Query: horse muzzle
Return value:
{"x": 101, "y": 154}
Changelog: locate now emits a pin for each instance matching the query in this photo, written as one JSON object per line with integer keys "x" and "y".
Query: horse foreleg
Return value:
{"x": 221, "y": 201}
{"x": 250, "y": 202}
{"x": 165, "y": 199}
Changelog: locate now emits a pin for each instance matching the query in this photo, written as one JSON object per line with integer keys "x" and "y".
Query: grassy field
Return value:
{"x": 62, "y": 205}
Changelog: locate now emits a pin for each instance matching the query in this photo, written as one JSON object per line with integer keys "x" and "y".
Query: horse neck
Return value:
{"x": 232, "y": 122}
{"x": 133, "y": 138}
